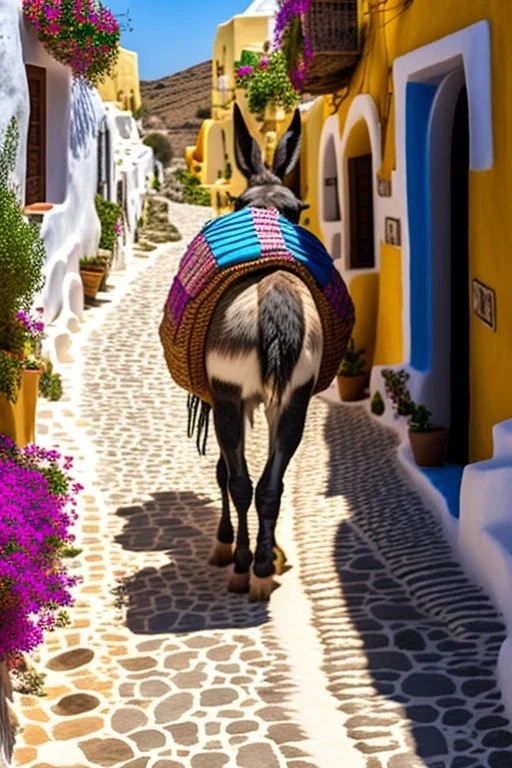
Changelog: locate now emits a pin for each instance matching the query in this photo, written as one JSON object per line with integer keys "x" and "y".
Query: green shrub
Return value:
{"x": 266, "y": 81}
{"x": 22, "y": 258}
{"x": 161, "y": 146}
{"x": 353, "y": 363}
{"x": 50, "y": 383}
{"x": 378, "y": 406}
{"x": 109, "y": 214}
{"x": 193, "y": 192}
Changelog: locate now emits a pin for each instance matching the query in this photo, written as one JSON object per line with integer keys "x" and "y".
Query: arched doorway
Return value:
{"x": 437, "y": 150}
{"x": 359, "y": 174}
{"x": 458, "y": 451}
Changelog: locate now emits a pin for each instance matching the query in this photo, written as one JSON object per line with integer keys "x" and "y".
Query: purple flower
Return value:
{"x": 263, "y": 62}
{"x": 38, "y": 500}
{"x": 244, "y": 70}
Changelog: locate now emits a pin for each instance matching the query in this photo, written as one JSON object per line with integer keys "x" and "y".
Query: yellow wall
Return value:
{"x": 364, "y": 292}
{"x": 123, "y": 88}
{"x": 389, "y": 343}
{"x": 391, "y": 35}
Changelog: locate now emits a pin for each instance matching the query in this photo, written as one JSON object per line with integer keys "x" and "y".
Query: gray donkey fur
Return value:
{"x": 264, "y": 346}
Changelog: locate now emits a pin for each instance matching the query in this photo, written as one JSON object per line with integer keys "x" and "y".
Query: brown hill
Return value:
{"x": 173, "y": 102}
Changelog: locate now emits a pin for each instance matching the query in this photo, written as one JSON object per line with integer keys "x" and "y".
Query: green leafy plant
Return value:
{"x": 398, "y": 391}
{"x": 92, "y": 263}
{"x": 50, "y": 383}
{"x": 403, "y": 404}
{"x": 28, "y": 682}
{"x": 22, "y": 258}
{"x": 420, "y": 420}
{"x": 161, "y": 146}
{"x": 353, "y": 363}
{"x": 109, "y": 215}
{"x": 266, "y": 82}
{"x": 228, "y": 168}
{"x": 378, "y": 405}
{"x": 156, "y": 181}
{"x": 11, "y": 367}
{"x": 193, "y": 192}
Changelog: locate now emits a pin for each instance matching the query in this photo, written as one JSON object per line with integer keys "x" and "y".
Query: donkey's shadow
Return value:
{"x": 187, "y": 593}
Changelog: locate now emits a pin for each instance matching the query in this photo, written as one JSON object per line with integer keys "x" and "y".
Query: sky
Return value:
{"x": 170, "y": 35}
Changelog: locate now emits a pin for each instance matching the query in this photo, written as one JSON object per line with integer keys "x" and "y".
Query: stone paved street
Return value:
{"x": 375, "y": 651}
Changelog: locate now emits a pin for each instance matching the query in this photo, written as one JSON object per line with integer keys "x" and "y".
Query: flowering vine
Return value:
{"x": 38, "y": 500}
{"x": 82, "y": 34}
{"x": 291, "y": 37}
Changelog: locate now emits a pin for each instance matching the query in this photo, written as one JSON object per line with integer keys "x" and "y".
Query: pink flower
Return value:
{"x": 244, "y": 70}
{"x": 263, "y": 63}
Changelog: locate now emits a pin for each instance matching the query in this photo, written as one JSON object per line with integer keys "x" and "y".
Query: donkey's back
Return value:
{"x": 265, "y": 339}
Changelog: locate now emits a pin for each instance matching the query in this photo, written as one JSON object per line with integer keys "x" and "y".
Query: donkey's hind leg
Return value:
{"x": 287, "y": 437}
{"x": 228, "y": 412}
{"x": 222, "y": 553}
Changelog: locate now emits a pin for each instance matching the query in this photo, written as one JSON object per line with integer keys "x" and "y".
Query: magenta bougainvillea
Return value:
{"x": 82, "y": 34}
{"x": 290, "y": 36}
{"x": 38, "y": 503}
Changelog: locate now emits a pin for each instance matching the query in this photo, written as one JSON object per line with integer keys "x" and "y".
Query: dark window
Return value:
{"x": 35, "y": 187}
{"x": 361, "y": 212}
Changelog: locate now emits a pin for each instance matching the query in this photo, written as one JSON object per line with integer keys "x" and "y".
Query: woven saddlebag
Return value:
{"x": 228, "y": 248}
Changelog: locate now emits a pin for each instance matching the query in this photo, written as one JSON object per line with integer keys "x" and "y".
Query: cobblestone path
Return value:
{"x": 375, "y": 651}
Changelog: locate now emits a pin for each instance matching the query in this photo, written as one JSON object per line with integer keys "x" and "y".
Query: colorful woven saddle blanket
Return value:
{"x": 228, "y": 248}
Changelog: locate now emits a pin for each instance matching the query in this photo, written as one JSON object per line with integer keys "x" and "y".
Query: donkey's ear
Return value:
{"x": 288, "y": 149}
{"x": 247, "y": 151}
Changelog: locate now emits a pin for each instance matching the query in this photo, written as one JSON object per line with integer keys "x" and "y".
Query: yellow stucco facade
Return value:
{"x": 123, "y": 86}
{"x": 391, "y": 34}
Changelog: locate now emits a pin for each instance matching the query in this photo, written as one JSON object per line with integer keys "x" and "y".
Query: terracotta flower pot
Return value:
{"x": 91, "y": 280}
{"x": 429, "y": 448}
{"x": 351, "y": 388}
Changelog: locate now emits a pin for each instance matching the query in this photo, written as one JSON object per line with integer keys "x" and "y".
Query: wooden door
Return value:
{"x": 361, "y": 212}
{"x": 35, "y": 189}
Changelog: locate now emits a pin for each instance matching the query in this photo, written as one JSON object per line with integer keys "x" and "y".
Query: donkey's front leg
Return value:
{"x": 288, "y": 434}
{"x": 229, "y": 425}
{"x": 222, "y": 553}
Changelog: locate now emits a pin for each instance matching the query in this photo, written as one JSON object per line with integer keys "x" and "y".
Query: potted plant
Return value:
{"x": 351, "y": 375}
{"x": 22, "y": 258}
{"x": 269, "y": 91}
{"x": 81, "y": 35}
{"x": 92, "y": 271}
{"x": 429, "y": 443}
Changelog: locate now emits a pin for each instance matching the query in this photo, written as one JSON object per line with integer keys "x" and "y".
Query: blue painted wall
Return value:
{"x": 419, "y": 99}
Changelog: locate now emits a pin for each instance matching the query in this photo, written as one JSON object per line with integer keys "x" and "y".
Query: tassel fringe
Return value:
{"x": 198, "y": 421}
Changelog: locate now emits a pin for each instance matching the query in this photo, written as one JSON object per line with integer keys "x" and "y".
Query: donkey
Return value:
{"x": 264, "y": 346}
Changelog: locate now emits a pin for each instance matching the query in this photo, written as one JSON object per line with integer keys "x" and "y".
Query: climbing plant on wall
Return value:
{"x": 82, "y": 34}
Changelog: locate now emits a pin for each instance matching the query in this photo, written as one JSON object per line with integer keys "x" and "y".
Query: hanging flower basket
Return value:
{"x": 82, "y": 34}
{"x": 321, "y": 42}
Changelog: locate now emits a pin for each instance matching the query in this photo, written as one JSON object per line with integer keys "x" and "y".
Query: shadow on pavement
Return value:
{"x": 426, "y": 640}
{"x": 187, "y": 594}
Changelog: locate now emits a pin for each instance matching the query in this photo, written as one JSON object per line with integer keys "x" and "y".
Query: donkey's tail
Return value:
{"x": 281, "y": 331}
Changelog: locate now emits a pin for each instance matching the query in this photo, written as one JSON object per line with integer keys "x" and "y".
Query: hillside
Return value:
{"x": 172, "y": 103}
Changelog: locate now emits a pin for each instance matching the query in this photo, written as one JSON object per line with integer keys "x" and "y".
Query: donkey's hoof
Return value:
{"x": 280, "y": 560}
{"x": 261, "y": 589}
{"x": 239, "y": 583}
{"x": 222, "y": 554}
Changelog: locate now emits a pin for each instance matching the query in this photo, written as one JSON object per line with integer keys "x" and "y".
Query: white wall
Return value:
{"x": 13, "y": 89}
{"x": 72, "y": 230}
{"x": 133, "y": 165}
